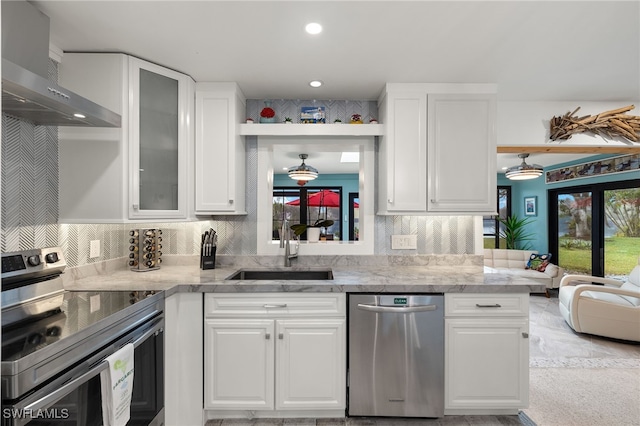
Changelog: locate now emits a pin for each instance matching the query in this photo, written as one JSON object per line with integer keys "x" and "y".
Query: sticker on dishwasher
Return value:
{"x": 94, "y": 303}
{"x": 399, "y": 300}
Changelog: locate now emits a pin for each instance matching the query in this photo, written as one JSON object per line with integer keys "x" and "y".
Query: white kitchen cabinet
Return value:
{"x": 219, "y": 150}
{"x": 486, "y": 353}
{"x": 239, "y": 364}
{"x": 310, "y": 356}
{"x": 141, "y": 170}
{"x": 439, "y": 152}
{"x": 403, "y": 154}
{"x": 461, "y": 153}
{"x": 274, "y": 353}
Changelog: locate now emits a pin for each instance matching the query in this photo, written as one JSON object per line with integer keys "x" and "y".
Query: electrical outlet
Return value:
{"x": 404, "y": 242}
{"x": 94, "y": 249}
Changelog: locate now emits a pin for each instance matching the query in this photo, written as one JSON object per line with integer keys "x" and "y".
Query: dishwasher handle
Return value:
{"x": 396, "y": 309}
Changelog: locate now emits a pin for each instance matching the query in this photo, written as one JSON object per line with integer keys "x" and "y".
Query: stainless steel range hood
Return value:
{"x": 26, "y": 92}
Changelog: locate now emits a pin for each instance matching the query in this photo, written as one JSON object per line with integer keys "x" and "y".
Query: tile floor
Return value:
{"x": 553, "y": 344}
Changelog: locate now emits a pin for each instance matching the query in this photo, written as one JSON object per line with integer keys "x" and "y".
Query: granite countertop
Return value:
{"x": 377, "y": 275}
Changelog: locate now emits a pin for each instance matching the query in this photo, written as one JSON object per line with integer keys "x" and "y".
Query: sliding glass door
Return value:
{"x": 595, "y": 229}
{"x": 575, "y": 239}
{"x": 622, "y": 230}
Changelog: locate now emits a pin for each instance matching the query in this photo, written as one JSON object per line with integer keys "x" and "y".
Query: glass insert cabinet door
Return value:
{"x": 158, "y": 140}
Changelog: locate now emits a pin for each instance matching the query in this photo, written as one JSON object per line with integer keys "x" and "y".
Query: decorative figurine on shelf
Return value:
{"x": 373, "y": 121}
{"x": 288, "y": 120}
{"x": 356, "y": 119}
{"x": 267, "y": 115}
{"x": 337, "y": 121}
{"x": 249, "y": 120}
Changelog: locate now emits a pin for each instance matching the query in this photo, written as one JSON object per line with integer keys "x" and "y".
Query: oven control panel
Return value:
{"x": 13, "y": 263}
{"x": 22, "y": 265}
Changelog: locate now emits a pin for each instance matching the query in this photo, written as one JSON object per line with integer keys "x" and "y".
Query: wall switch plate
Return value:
{"x": 94, "y": 249}
{"x": 404, "y": 242}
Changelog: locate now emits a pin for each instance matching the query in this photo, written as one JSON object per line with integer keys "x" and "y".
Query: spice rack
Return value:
{"x": 144, "y": 249}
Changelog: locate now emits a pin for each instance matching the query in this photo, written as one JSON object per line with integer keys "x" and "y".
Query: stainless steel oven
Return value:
{"x": 52, "y": 356}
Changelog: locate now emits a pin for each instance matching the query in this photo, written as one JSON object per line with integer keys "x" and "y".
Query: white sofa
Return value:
{"x": 514, "y": 262}
{"x": 610, "y": 310}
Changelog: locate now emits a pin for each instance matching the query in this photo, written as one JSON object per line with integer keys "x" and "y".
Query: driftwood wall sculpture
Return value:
{"x": 614, "y": 123}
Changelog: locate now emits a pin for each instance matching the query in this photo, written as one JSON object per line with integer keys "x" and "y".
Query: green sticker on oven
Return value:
{"x": 399, "y": 300}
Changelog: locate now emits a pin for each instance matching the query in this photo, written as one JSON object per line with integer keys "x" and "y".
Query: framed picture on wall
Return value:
{"x": 531, "y": 206}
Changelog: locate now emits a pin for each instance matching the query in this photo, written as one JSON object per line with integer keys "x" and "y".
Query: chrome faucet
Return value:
{"x": 285, "y": 242}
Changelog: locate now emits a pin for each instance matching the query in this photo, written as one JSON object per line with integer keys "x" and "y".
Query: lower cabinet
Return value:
{"x": 279, "y": 359}
{"x": 487, "y": 353}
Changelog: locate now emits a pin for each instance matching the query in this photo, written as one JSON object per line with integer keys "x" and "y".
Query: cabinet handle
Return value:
{"x": 136, "y": 206}
{"x": 230, "y": 201}
{"x": 281, "y": 336}
{"x": 390, "y": 200}
{"x": 283, "y": 305}
{"x": 525, "y": 335}
{"x": 267, "y": 336}
{"x": 497, "y": 305}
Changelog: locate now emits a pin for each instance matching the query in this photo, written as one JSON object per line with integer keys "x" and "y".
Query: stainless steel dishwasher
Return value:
{"x": 396, "y": 355}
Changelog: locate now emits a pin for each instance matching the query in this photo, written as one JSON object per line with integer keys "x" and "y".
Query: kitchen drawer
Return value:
{"x": 486, "y": 305}
{"x": 274, "y": 305}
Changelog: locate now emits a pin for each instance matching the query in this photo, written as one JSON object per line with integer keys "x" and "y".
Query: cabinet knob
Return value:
{"x": 525, "y": 335}
{"x": 280, "y": 336}
{"x": 136, "y": 206}
{"x": 267, "y": 336}
{"x": 230, "y": 201}
{"x": 390, "y": 200}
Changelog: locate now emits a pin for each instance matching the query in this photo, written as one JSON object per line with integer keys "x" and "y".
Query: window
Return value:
{"x": 491, "y": 225}
{"x": 308, "y": 205}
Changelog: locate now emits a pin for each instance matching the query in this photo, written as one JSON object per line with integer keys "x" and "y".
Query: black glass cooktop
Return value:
{"x": 79, "y": 310}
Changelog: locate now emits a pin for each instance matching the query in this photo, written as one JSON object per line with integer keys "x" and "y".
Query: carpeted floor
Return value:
{"x": 585, "y": 396}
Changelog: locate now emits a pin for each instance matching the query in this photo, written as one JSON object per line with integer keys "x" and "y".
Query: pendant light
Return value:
{"x": 303, "y": 171}
{"x": 524, "y": 171}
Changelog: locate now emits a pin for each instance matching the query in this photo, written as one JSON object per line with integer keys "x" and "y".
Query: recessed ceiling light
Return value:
{"x": 315, "y": 83}
{"x": 78, "y": 115}
{"x": 313, "y": 28}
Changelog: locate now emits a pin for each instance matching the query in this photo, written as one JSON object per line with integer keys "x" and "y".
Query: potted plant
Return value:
{"x": 337, "y": 121}
{"x": 313, "y": 231}
{"x": 267, "y": 114}
{"x": 514, "y": 232}
{"x": 288, "y": 120}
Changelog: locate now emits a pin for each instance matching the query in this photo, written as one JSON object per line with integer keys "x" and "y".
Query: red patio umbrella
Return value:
{"x": 324, "y": 198}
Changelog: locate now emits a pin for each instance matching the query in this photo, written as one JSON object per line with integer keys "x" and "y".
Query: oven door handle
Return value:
{"x": 68, "y": 387}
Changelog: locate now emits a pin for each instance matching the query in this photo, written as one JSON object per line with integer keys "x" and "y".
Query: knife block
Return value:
{"x": 208, "y": 261}
{"x": 144, "y": 249}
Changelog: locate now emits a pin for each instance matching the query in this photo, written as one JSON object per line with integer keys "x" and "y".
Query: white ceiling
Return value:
{"x": 533, "y": 50}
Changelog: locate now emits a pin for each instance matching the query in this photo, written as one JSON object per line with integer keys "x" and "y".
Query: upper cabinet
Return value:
{"x": 220, "y": 149}
{"x": 438, "y": 154}
{"x": 142, "y": 170}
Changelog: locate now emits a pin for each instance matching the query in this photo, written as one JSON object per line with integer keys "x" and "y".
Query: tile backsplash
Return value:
{"x": 30, "y": 202}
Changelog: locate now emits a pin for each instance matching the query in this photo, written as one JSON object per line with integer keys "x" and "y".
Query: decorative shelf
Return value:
{"x": 281, "y": 129}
